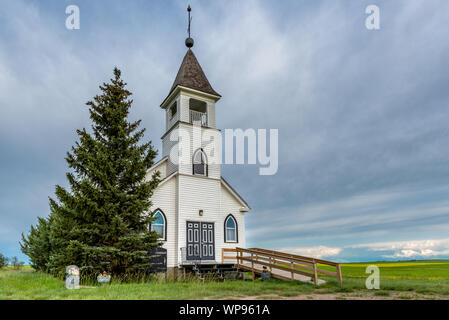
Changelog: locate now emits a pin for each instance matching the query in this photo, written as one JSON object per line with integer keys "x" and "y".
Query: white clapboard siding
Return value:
{"x": 217, "y": 203}
{"x": 167, "y": 145}
{"x": 207, "y": 139}
{"x": 211, "y": 114}
{"x": 161, "y": 167}
{"x": 184, "y": 101}
{"x": 169, "y": 120}
{"x": 181, "y": 195}
{"x": 164, "y": 198}
{"x": 197, "y": 193}
{"x": 230, "y": 205}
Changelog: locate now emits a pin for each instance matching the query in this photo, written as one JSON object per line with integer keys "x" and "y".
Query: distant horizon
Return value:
{"x": 358, "y": 262}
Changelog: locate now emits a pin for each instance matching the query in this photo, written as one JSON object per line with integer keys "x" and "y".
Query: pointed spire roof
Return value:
{"x": 191, "y": 75}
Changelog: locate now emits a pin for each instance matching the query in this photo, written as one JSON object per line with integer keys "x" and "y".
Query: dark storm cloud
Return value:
{"x": 362, "y": 115}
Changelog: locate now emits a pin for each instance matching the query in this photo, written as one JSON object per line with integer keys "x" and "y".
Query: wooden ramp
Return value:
{"x": 281, "y": 265}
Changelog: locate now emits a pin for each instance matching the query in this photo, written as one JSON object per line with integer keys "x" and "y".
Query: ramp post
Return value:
{"x": 339, "y": 274}
{"x": 315, "y": 273}
{"x": 252, "y": 267}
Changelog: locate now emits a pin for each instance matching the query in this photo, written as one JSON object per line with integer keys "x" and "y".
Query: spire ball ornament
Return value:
{"x": 189, "y": 40}
{"x": 189, "y": 43}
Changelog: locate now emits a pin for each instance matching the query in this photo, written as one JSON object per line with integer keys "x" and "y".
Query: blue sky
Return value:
{"x": 362, "y": 115}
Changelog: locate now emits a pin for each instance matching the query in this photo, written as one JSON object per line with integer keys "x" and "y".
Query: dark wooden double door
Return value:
{"x": 200, "y": 241}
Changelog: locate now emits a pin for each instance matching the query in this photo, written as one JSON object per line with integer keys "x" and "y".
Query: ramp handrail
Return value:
{"x": 294, "y": 264}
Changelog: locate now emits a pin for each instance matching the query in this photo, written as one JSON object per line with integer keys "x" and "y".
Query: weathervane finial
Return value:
{"x": 189, "y": 40}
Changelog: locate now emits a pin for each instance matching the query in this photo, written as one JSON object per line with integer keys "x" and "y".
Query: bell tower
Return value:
{"x": 199, "y": 212}
{"x": 191, "y": 140}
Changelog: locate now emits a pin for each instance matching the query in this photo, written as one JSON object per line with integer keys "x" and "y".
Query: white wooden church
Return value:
{"x": 197, "y": 211}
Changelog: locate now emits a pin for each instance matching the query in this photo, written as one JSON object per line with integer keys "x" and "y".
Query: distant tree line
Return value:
{"x": 101, "y": 222}
{"x": 15, "y": 262}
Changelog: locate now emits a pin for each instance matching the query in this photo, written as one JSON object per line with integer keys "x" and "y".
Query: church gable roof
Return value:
{"x": 235, "y": 194}
{"x": 191, "y": 75}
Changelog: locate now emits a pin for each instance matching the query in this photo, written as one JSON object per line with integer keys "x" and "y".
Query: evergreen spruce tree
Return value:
{"x": 102, "y": 222}
{"x": 37, "y": 244}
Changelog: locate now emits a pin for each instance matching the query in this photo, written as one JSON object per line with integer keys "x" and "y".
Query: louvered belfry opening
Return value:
{"x": 198, "y": 112}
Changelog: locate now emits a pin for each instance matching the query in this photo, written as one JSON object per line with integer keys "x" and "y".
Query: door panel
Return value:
{"x": 193, "y": 241}
{"x": 200, "y": 241}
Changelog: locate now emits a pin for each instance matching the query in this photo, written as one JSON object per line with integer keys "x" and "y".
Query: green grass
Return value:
{"x": 400, "y": 280}
{"x": 28, "y": 284}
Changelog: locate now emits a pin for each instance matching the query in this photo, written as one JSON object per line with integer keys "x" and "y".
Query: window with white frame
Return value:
{"x": 230, "y": 229}
{"x": 159, "y": 224}
{"x": 199, "y": 163}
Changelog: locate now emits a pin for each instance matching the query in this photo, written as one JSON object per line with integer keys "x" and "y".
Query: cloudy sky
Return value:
{"x": 362, "y": 114}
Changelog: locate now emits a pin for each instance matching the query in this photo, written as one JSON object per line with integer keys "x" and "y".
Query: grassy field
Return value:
{"x": 27, "y": 284}
{"x": 399, "y": 280}
{"x": 427, "y": 277}
{"x": 407, "y": 270}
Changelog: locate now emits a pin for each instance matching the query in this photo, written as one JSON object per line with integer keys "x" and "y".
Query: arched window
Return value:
{"x": 159, "y": 224}
{"x": 200, "y": 163}
{"x": 231, "y": 229}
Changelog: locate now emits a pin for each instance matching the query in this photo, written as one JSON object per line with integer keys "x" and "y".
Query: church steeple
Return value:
{"x": 190, "y": 109}
{"x": 191, "y": 75}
